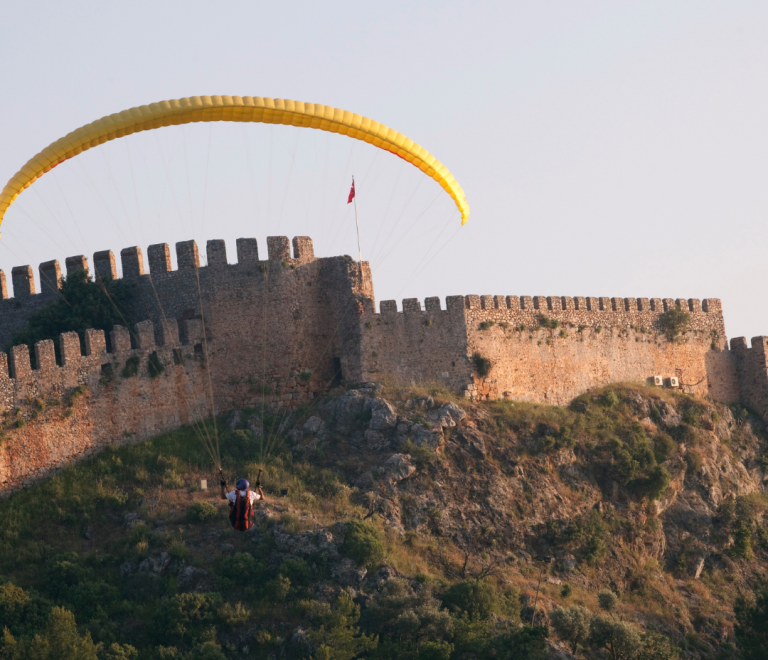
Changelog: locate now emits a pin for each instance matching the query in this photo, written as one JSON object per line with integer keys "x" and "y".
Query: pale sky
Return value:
{"x": 606, "y": 149}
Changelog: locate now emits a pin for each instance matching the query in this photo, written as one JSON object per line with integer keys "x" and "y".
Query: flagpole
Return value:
{"x": 357, "y": 224}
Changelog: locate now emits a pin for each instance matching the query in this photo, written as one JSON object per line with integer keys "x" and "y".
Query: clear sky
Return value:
{"x": 606, "y": 149}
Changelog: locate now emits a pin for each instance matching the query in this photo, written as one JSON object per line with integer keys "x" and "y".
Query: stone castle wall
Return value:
{"x": 596, "y": 341}
{"x": 276, "y": 332}
{"x": 57, "y": 414}
{"x": 260, "y": 332}
{"x": 751, "y": 368}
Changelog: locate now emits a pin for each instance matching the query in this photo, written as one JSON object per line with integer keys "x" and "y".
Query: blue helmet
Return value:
{"x": 242, "y": 484}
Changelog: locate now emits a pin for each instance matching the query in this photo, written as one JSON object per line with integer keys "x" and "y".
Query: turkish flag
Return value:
{"x": 351, "y": 193}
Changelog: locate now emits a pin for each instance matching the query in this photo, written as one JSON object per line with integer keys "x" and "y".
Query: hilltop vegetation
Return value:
{"x": 405, "y": 524}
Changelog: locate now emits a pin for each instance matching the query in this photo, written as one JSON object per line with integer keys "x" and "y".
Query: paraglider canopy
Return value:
{"x": 239, "y": 109}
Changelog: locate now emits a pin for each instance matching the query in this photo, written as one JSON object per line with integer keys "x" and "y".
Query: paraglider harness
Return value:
{"x": 241, "y": 509}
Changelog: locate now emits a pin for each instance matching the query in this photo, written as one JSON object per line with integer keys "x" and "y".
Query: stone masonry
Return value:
{"x": 274, "y": 333}
{"x": 597, "y": 341}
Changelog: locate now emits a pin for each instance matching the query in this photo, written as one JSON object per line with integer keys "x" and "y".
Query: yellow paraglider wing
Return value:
{"x": 232, "y": 108}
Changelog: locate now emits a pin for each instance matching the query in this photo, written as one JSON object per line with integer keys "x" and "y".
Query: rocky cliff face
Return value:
{"x": 655, "y": 495}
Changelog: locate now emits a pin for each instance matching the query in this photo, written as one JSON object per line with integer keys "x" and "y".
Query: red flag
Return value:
{"x": 352, "y": 192}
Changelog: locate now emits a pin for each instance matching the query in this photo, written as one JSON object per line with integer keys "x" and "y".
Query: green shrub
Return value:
{"x": 77, "y": 393}
{"x": 241, "y": 567}
{"x": 206, "y": 651}
{"x": 752, "y": 623}
{"x": 607, "y": 600}
{"x": 187, "y": 617}
{"x": 363, "y": 544}
{"x": 524, "y": 643}
{"x": 655, "y": 484}
{"x": 117, "y": 651}
{"x": 438, "y": 650}
{"x": 476, "y": 599}
{"x": 201, "y": 512}
{"x": 59, "y": 639}
{"x": 663, "y": 447}
{"x": 693, "y": 462}
{"x": 173, "y": 480}
{"x": 742, "y": 542}
{"x": 571, "y": 625}
{"x": 546, "y": 322}
{"x": 620, "y": 638}
{"x": 279, "y": 588}
{"x": 485, "y": 325}
{"x": 589, "y": 532}
{"x": 22, "y": 612}
{"x": 297, "y": 571}
{"x": 673, "y": 322}
{"x": 482, "y": 364}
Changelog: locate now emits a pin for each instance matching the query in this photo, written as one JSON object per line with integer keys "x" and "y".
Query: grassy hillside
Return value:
{"x": 404, "y": 524}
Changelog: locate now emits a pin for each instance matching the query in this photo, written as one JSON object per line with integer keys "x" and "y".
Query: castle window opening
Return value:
{"x": 337, "y": 375}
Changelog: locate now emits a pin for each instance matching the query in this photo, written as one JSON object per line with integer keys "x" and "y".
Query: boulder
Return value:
{"x": 381, "y": 576}
{"x": 155, "y": 565}
{"x": 313, "y": 425}
{"x": 453, "y": 411}
{"x": 346, "y": 409}
{"x": 398, "y": 467}
{"x": 423, "y": 403}
{"x": 424, "y": 437}
{"x": 669, "y": 416}
{"x": 347, "y": 574}
{"x": 383, "y": 416}
{"x": 374, "y": 440}
{"x": 188, "y": 575}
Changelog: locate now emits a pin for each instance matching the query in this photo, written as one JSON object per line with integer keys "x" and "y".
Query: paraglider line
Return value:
{"x": 205, "y": 186}
{"x": 357, "y": 224}
{"x": 432, "y": 259}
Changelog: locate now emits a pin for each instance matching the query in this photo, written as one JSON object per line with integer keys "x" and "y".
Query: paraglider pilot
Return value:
{"x": 241, "y": 502}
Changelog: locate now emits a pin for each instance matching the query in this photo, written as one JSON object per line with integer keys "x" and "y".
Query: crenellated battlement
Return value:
{"x": 81, "y": 366}
{"x": 159, "y": 261}
{"x": 705, "y": 315}
{"x": 556, "y": 304}
{"x": 30, "y": 294}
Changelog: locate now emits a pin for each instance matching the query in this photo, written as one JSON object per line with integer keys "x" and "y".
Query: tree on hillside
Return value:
{"x": 59, "y": 640}
{"x": 752, "y": 626}
{"x": 571, "y": 625}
